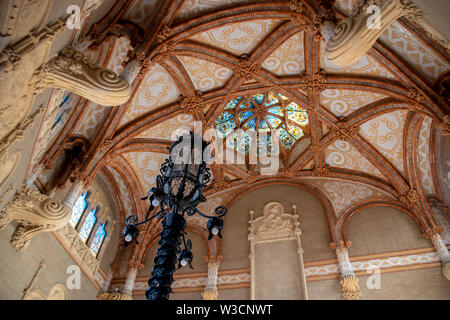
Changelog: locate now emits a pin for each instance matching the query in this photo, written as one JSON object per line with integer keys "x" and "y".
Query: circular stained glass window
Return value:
{"x": 243, "y": 117}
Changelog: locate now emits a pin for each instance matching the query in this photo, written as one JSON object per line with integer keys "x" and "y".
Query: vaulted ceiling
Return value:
{"x": 373, "y": 123}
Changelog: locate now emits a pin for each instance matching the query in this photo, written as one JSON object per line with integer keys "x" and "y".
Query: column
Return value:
{"x": 133, "y": 268}
{"x": 354, "y": 36}
{"x": 33, "y": 175}
{"x": 442, "y": 252}
{"x": 75, "y": 191}
{"x": 210, "y": 292}
{"x": 131, "y": 71}
{"x": 251, "y": 256}
{"x": 298, "y": 233}
{"x": 349, "y": 281}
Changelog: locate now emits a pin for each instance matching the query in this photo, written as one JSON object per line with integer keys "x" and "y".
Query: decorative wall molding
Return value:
{"x": 352, "y": 38}
{"x": 12, "y": 56}
{"x": 36, "y": 213}
{"x": 79, "y": 250}
{"x": 400, "y": 261}
{"x": 18, "y": 133}
{"x": 76, "y": 72}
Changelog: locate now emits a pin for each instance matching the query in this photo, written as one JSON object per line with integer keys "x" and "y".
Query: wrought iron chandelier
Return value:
{"x": 177, "y": 193}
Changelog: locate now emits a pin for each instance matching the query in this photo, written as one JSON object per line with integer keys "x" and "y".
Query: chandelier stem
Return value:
{"x": 161, "y": 279}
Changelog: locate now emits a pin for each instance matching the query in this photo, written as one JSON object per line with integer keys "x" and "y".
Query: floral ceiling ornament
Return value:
{"x": 221, "y": 185}
{"x": 418, "y": 98}
{"x": 246, "y": 68}
{"x": 445, "y": 125}
{"x": 344, "y": 131}
{"x": 163, "y": 35}
{"x": 408, "y": 200}
{"x": 322, "y": 171}
{"x": 192, "y": 104}
{"x": 146, "y": 64}
{"x": 297, "y": 6}
{"x": 315, "y": 81}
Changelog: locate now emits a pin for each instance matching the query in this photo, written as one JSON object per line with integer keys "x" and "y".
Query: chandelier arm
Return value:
{"x": 220, "y": 212}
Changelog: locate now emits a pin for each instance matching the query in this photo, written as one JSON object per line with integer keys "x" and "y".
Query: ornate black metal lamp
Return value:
{"x": 178, "y": 191}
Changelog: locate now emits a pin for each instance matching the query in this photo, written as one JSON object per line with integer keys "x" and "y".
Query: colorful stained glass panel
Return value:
{"x": 78, "y": 209}
{"x": 98, "y": 239}
{"x": 89, "y": 223}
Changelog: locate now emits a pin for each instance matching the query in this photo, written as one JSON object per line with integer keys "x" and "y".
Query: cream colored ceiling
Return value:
{"x": 288, "y": 59}
{"x": 238, "y": 38}
{"x": 385, "y": 133}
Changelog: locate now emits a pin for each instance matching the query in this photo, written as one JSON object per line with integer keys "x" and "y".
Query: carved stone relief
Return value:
{"x": 76, "y": 72}
{"x": 36, "y": 213}
{"x": 7, "y": 165}
{"x": 275, "y": 225}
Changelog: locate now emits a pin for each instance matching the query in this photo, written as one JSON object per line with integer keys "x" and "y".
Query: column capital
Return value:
{"x": 340, "y": 245}
{"x": 135, "y": 265}
{"x": 210, "y": 294}
{"x": 350, "y": 287}
{"x": 213, "y": 259}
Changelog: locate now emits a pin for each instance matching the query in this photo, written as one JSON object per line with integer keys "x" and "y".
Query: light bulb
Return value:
{"x": 155, "y": 202}
{"x": 128, "y": 237}
{"x": 183, "y": 262}
{"x": 215, "y": 231}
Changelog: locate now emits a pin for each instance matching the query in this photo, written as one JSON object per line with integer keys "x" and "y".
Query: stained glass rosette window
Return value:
{"x": 89, "y": 223}
{"x": 78, "y": 209}
{"x": 98, "y": 239}
{"x": 243, "y": 116}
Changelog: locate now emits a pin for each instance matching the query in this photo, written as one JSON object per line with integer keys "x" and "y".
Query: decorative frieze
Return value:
{"x": 12, "y": 55}
{"x": 81, "y": 252}
{"x": 76, "y": 72}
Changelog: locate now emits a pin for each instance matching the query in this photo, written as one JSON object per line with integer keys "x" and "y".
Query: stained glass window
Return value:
{"x": 262, "y": 112}
{"x": 78, "y": 209}
{"x": 66, "y": 99}
{"x": 89, "y": 223}
{"x": 98, "y": 239}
